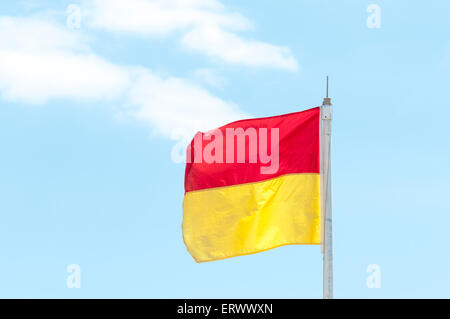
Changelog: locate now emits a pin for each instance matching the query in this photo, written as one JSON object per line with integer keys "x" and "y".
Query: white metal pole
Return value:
{"x": 327, "y": 245}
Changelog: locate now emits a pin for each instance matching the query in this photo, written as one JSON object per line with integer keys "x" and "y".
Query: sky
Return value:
{"x": 97, "y": 98}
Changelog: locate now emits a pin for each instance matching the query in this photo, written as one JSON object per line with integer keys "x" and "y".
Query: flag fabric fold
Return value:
{"x": 253, "y": 185}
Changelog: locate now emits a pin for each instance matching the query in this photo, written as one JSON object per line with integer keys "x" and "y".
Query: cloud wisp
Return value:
{"x": 207, "y": 27}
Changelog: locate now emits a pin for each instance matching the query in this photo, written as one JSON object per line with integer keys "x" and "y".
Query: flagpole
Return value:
{"x": 327, "y": 238}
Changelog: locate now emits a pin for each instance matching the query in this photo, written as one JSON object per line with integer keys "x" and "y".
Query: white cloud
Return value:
{"x": 216, "y": 42}
{"x": 41, "y": 61}
{"x": 41, "y": 76}
{"x": 35, "y": 34}
{"x": 208, "y": 27}
{"x": 178, "y": 107}
{"x": 160, "y": 17}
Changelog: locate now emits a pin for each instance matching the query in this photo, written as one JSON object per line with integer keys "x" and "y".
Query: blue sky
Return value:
{"x": 90, "y": 116}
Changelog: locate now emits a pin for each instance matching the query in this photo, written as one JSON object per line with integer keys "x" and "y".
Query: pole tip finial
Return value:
{"x": 327, "y": 100}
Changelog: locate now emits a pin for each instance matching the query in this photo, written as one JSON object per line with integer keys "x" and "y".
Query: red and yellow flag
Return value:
{"x": 253, "y": 185}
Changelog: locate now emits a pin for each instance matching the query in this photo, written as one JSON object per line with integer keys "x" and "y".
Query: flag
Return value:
{"x": 253, "y": 185}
